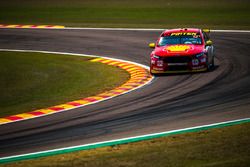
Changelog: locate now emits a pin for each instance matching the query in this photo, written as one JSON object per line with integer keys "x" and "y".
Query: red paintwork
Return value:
{"x": 163, "y": 50}
{"x": 189, "y": 50}
{"x": 195, "y": 49}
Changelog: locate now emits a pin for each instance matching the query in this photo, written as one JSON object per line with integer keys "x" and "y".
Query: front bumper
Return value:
{"x": 177, "y": 72}
{"x": 184, "y": 64}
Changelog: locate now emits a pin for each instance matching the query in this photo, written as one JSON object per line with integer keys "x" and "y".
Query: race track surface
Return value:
{"x": 170, "y": 102}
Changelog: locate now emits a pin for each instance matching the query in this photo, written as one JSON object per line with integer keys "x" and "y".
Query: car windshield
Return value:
{"x": 180, "y": 38}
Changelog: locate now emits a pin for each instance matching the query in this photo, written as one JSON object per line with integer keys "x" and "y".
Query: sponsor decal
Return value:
{"x": 187, "y": 34}
{"x": 177, "y": 48}
{"x": 158, "y": 69}
{"x": 195, "y": 62}
{"x": 160, "y": 63}
{"x": 184, "y": 33}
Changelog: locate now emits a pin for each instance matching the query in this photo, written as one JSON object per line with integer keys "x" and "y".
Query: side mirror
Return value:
{"x": 152, "y": 45}
{"x": 206, "y": 30}
{"x": 209, "y": 43}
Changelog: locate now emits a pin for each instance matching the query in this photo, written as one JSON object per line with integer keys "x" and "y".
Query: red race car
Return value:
{"x": 182, "y": 50}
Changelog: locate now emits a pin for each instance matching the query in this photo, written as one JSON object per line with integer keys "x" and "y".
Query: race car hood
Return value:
{"x": 179, "y": 50}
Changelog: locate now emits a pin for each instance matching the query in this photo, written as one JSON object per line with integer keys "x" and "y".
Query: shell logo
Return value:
{"x": 177, "y": 48}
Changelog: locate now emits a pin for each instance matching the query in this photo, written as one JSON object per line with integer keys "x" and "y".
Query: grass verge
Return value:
{"x": 223, "y": 147}
{"x": 229, "y": 14}
{"x": 30, "y": 81}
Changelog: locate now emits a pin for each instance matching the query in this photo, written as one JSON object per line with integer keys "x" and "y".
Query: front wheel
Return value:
{"x": 210, "y": 66}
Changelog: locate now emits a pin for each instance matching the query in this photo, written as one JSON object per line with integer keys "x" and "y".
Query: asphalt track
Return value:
{"x": 170, "y": 102}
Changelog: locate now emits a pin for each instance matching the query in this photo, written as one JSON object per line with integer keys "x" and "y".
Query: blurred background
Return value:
{"x": 222, "y": 14}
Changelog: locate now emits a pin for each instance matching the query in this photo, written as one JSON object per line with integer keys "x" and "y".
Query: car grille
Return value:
{"x": 177, "y": 59}
{"x": 177, "y": 68}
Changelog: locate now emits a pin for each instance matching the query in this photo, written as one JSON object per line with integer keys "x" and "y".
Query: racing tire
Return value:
{"x": 210, "y": 67}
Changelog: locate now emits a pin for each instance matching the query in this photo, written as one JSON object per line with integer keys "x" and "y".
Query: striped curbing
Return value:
{"x": 139, "y": 76}
{"x": 105, "y": 29}
{"x": 31, "y": 26}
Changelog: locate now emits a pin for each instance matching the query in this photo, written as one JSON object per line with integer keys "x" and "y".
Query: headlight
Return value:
{"x": 199, "y": 55}
{"x": 157, "y": 57}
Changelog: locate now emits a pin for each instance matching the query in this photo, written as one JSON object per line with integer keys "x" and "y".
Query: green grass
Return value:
{"x": 229, "y": 14}
{"x": 30, "y": 81}
{"x": 223, "y": 147}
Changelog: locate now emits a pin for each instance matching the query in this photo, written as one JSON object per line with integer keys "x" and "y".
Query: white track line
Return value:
{"x": 127, "y": 140}
{"x": 125, "y": 29}
{"x": 84, "y": 55}
{"x": 145, "y": 29}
